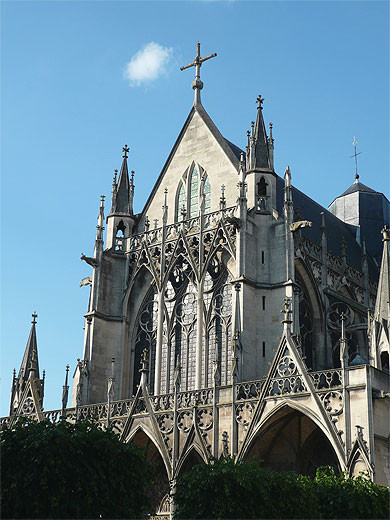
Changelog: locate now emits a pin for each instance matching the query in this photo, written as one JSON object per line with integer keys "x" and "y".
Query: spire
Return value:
{"x": 30, "y": 358}
{"x": 382, "y": 306}
{"x": 197, "y": 84}
{"x": 29, "y": 369}
{"x": 121, "y": 198}
{"x": 262, "y": 158}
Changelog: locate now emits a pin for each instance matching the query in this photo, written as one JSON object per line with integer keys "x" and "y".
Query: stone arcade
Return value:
{"x": 184, "y": 349}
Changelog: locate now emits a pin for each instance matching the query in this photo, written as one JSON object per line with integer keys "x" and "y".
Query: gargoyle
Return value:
{"x": 234, "y": 220}
{"x": 86, "y": 281}
{"x": 91, "y": 261}
{"x": 299, "y": 225}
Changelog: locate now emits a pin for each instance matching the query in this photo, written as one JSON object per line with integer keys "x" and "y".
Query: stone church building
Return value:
{"x": 233, "y": 316}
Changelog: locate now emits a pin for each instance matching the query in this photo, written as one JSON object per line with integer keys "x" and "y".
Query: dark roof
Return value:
{"x": 358, "y": 186}
{"x": 235, "y": 149}
{"x": 335, "y": 228}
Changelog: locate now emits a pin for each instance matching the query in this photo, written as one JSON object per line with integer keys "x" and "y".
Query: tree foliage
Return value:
{"x": 224, "y": 489}
{"x": 69, "y": 470}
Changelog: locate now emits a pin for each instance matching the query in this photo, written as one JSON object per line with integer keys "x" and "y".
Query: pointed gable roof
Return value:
{"x": 231, "y": 151}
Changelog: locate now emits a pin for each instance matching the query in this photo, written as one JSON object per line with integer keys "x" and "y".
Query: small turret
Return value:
{"x": 29, "y": 370}
{"x": 120, "y": 220}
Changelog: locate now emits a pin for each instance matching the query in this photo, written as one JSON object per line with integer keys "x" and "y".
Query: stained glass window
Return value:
{"x": 194, "y": 192}
{"x": 146, "y": 336}
{"x": 181, "y": 201}
{"x": 219, "y": 330}
{"x": 206, "y": 191}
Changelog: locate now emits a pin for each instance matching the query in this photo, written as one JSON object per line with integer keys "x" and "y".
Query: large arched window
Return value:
{"x": 146, "y": 336}
{"x": 192, "y": 187}
{"x": 194, "y": 192}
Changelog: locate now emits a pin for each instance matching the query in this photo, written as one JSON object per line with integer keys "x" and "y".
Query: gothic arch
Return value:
{"x": 159, "y": 488}
{"x": 135, "y": 295}
{"x": 292, "y": 438}
{"x": 309, "y": 303}
{"x": 191, "y": 458}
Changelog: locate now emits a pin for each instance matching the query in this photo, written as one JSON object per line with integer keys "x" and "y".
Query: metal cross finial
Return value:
{"x": 34, "y": 317}
{"x": 125, "y": 151}
{"x": 197, "y": 63}
{"x": 355, "y": 155}
{"x": 386, "y": 234}
{"x": 259, "y": 101}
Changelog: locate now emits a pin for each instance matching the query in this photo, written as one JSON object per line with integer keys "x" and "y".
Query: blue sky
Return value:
{"x": 68, "y": 108}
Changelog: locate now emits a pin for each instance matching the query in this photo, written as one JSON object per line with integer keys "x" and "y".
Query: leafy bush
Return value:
{"x": 70, "y": 471}
{"x": 227, "y": 490}
{"x": 341, "y": 497}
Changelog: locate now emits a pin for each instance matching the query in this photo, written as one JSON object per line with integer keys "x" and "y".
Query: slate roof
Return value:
{"x": 358, "y": 186}
{"x": 335, "y": 228}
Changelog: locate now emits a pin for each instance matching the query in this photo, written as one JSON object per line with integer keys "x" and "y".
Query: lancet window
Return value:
{"x": 306, "y": 325}
{"x": 146, "y": 335}
{"x": 193, "y": 186}
{"x": 179, "y": 332}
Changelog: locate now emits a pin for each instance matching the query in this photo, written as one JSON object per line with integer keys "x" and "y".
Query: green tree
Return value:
{"x": 69, "y": 470}
{"x": 224, "y": 489}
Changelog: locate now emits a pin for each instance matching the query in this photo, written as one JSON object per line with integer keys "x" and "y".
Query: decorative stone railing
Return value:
{"x": 190, "y": 226}
{"x": 323, "y": 381}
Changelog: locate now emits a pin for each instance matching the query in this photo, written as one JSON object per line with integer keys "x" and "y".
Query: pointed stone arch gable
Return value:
{"x": 29, "y": 403}
{"x": 148, "y": 423}
{"x": 195, "y": 112}
{"x": 359, "y": 454}
{"x": 193, "y": 449}
{"x": 288, "y": 359}
{"x": 142, "y": 427}
{"x": 293, "y": 406}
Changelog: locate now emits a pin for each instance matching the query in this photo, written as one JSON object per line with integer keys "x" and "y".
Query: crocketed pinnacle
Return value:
{"x": 30, "y": 358}
{"x": 262, "y": 156}
{"x": 121, "y": 200}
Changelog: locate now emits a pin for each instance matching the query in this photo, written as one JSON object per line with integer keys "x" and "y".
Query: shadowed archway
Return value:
{"x": 159, "y": 485}
{"x": 290, "y": 441}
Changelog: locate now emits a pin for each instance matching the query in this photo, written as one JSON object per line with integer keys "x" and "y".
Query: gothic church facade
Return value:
{"x": 186, "y": 350}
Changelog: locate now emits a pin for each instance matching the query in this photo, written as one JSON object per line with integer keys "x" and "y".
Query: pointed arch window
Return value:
{"x": 181, "y": 202}
{"x": 194, "y": 185}
{"x": 207, "y": 195}
{"x": 146, "y": 336}
{"x": 194, "y": 192}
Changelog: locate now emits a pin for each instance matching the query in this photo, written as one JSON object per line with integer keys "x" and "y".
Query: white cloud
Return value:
{"x": 147, "y": 64}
